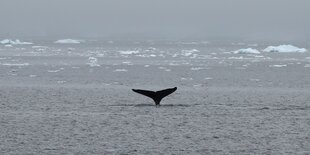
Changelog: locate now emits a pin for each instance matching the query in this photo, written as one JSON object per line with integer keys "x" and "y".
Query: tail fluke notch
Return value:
{"x": 157, "y": 96}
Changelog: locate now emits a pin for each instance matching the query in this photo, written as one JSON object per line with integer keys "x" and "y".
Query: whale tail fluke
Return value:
{"x": 157, "y": 96}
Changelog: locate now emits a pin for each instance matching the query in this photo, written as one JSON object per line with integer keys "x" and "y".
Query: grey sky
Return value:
{"x": 254, "y": 19}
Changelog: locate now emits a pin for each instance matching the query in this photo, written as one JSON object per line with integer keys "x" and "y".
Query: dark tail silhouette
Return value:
{"x": 157, "y": 96}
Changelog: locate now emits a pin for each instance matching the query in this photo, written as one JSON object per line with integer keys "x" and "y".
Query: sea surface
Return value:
{"x": 77, "y": 98}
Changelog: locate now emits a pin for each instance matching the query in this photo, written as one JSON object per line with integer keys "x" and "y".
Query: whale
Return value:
{"x": 157, "y": 96}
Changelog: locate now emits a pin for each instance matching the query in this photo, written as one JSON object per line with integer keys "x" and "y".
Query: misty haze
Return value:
{"x": 154, "y": 77}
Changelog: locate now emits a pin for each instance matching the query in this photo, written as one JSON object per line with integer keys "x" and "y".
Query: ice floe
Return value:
{"x": 183, "y": 78}
{"x": 68, "y": 41}
{"x": 127, "y": 63}
{"x": 16, "y": 42}
{"x": 284, "y": 49}
{"x": 193, "y": 43}
{"x": 21, "y": 64}
{"x": 277, "y": 65}
{"x": 120, "y": 70}
{"x": 196, "y": 68}
{"x": 128, "y": 52}
{"x": 307, "y": 65}
{"x": 61, "y": 82}
{"x": 93, "y": 62}
{"x": 256, "y": 80}
{"x": 4, "y": 58}
{"x": 164, "y": 68}
{"x": 173, "y": 64}
{"x": 246, "y": 51}
{"x": 150, "y": 49}
{"x": 254, "y": 45}
{"x": 146, "y": 55}
{"x": 238, "y": 44}
{"x": 8, "y": 45}
{"x": 54, "y": 71}
{"x": 189, "y": 52}
{"x": 236, "y": 58}
{"x": 208, "y": 78}
{"x": 39, "y": 47}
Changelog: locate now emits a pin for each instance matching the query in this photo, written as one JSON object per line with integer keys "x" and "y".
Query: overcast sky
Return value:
{"x": 254, "y": 19}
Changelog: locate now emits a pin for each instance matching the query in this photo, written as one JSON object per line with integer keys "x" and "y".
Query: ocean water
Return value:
{"x": 77, "y": 98}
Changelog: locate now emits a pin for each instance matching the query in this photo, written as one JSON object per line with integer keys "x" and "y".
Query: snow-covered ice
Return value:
{"x": 93, "y": 62}
{"x": 307, "y": 65}
{"x": 165, "y": 69}
{"x": 197, "y": 68}
{"x": 246, "y": 51}
{"x": 8, "y": 45}
{"x": 15, "y": 64}
{"x": 129, "y": 52}
{"x": 68, "y": 41}
{"x": 278, "y": 65}
{"x": 189, "y": 52}
{"x": 284, "y": 49}
{"x": 208, "y": 78}
{"x": 120, "y": 70}
{"x": 14, "y": 42}
{"x": 253, "y": 45}
{"x": 237, "y": 58}
{"x": 39, "y": 47}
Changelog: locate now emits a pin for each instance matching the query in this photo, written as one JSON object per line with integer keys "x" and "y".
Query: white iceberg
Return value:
{"x": 68, "y": 41}
{"x": 246, "y": 51}
{"x": 16, "y": 42}
{"x": 284, "y": 49}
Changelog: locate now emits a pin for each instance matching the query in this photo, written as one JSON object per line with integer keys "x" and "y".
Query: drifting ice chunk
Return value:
{"x": 93, "y": 62}
{"x": 36, "y": 47}
{"x": 246, "y": 51}
{"x": 16, "y": 42}
{"x": 189, "y": 52}
{"x": 208, "y": 78}
{"x": 307, "y": 65}
{"x": 284, "y": 49}
{"x": 120, "y": 70}
{"x": 9, "y": 64}
{"x": 53, "y": 71}
{"x": 196, "y": 68}
{"x": 129, "y": 52}
{"x": 254, "y": 45}
{"x": 68, "y": 41}
{"x": 277, "y": 65}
